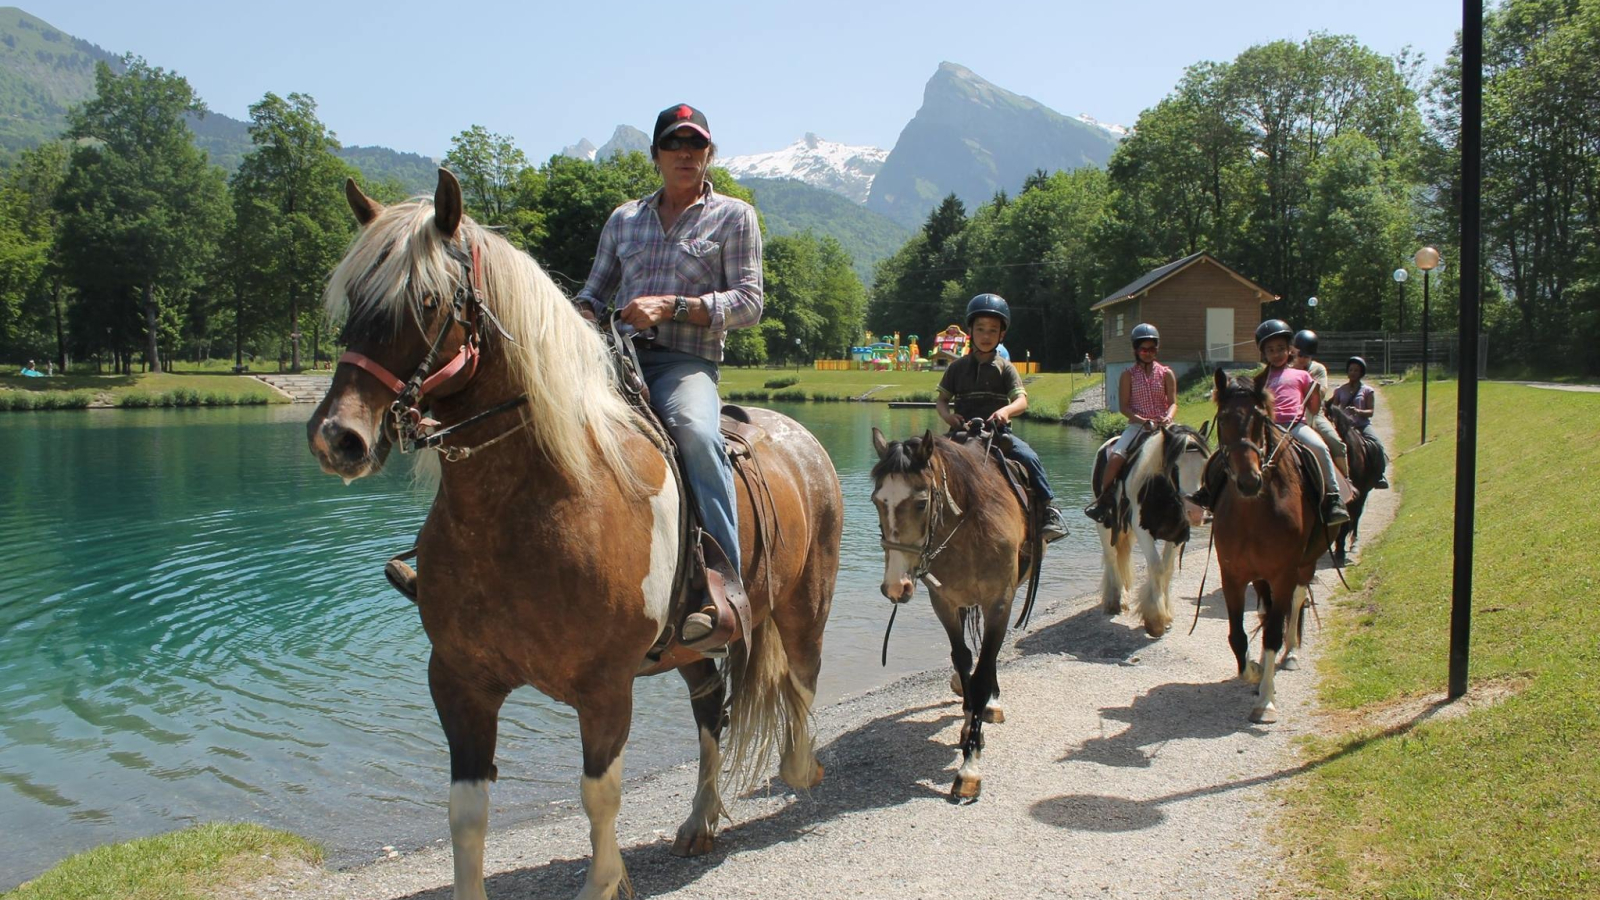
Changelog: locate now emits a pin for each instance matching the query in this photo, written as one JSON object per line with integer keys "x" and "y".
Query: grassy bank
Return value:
{"x": 1048, "y": 394}
{"x": 195, "y": 863}
{"x": 133, "y": 391}
{"x": 1503, "y": 801}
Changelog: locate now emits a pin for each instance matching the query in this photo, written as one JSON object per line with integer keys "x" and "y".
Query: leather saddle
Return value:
{"x": 1015, "y": 475}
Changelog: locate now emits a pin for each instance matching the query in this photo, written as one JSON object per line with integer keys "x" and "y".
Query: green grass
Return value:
{"x": 190, "y": 864}
{"x": 131, "y": 391}
{"x": 1048, "y": 394}
{"x": 1505, "y": 800}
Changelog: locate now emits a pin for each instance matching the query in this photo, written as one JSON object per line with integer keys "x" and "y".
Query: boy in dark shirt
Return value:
{"x": 983, "y": 385}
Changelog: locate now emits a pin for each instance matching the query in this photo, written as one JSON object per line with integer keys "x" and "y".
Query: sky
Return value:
{"x": 411, "y": 75}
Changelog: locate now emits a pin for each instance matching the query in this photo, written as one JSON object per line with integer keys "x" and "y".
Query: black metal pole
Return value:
{"x": 1425, "y": 273}
{"x": 1471, "y": 289}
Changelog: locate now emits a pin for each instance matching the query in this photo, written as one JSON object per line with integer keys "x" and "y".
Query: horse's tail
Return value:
{"x": 767, "y": 703}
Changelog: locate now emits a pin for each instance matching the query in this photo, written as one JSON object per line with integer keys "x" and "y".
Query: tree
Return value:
{"x": 31, "y": 287}
{"x": 140, "y": 206}
{"x": 489, "y": 167}
{"x": 290, "y": 220}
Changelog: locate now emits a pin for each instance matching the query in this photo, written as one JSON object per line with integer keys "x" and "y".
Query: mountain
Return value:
{"x": 581, "y": 150}
{"x": 790, "y": 207}
{"x": 973, "y": 138}
{"x": 847, "y": 171}
{"x": 43, "y": 73}
{"x": 624, "y": 139}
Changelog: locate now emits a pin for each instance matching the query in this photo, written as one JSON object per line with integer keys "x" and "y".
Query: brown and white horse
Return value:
{"x": 948, "y": 517}
{"x": 549, "y": 553}
{"x": 1266, "y": 530}
{"x": 1150, "y": 506}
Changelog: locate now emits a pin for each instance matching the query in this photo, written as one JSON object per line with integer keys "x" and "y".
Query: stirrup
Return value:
{"x": 402, "y": 578}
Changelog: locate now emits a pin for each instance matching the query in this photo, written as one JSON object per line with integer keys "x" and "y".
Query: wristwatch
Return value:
{"x": 680, "y": 310}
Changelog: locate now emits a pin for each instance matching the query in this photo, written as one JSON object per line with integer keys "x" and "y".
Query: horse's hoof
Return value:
{"x": 994, "y": 715}
{"x": 1156, "y": 629}
{"x": 1251, "y": 673}
{"x": 694, "y": 843}
{"x": 966, "y": 788}
{"x": 801, "y": 782}
{"x": 1264, "y": 715}
{"x": 955, "y": 684}
{"x": 1291, "y": 664}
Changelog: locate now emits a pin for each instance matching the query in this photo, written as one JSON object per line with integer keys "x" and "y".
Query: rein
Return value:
{"x": 925, "y": 555}
{"x": 413, "y": 429}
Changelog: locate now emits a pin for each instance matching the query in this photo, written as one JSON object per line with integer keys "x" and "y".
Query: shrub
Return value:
{"x": 63, "y": 400}
{"x": 6, "y": 399}
{"x": 138, "y": 401}
{"x": 794, "y": 396}
{"x": 781, "y": 382}
{"x": 24, "y": 400}
{"x": 1107, "y": 424}
{"x": 748, "y": 396}
{"x": 820, "y": 397}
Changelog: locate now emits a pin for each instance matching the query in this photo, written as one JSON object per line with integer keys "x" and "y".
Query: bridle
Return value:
{"x": 1267, "y": 454}
{"x": 412, "y": 428}
{"x": 926, "y": 552}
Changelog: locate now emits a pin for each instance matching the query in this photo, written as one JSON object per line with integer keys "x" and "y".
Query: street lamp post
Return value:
{"x": 1427, "y": 259}
{"x": 1311, "y": 303}
{"x": 1400, "y": 276}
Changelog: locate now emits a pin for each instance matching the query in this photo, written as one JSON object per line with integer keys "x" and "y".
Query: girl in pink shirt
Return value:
{"x": 1148, "y": 397}
{"x": 1295, "y": 397}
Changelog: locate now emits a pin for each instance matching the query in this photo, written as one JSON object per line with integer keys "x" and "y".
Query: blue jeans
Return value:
{"x": 683, "y": 392}
{"x": 1022, "y": 453}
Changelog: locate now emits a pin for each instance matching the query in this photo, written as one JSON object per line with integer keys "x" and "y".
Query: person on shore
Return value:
{"x": 984, "y": 385}
{"x": 1303, "y": 355}
{"x": 1360, "y": 401}
{"x": 1295, "y": 397}
{"x": 684, "y": 266}
{"x": 1148, "y": 397}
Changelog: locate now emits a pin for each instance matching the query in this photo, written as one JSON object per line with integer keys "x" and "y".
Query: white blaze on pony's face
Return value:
{"x": 902, "y": 504}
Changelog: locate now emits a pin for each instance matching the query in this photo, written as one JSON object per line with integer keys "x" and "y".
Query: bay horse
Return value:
{"x": 548, "y": 556}
{"x": 948, "y": 517}
{"x": 1366, "y": 460}
{"x": 1151, "y": 507}
{"x": 1265, "y": 527}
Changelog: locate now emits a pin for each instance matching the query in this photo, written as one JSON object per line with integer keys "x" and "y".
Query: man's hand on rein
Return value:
{"x": 643, "y": 312}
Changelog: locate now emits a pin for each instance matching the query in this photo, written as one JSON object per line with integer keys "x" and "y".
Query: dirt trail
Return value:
{"x": 1126, "y": 768}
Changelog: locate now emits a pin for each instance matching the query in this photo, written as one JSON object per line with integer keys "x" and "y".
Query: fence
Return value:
{"x": 1386, "y": 352}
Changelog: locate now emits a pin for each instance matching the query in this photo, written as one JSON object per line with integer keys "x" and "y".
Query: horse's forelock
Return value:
{"x": 900, "y": 458}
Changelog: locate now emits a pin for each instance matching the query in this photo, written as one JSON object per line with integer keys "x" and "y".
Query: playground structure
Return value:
{"x": 949, "y": 345}
{"x": 888, "y": 353}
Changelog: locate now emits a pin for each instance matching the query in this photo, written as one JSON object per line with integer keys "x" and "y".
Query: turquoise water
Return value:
{"x": 194, "y": 626}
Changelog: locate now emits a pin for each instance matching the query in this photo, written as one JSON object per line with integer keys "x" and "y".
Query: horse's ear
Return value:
{"x": 1205, "y": 430}
{"x": 1221, "y": 379}
{"x": 365, "y": 208}
{"x": 447, "y": 204}
{"x": 878, "y": 443}
{"x": 925, "y": 447}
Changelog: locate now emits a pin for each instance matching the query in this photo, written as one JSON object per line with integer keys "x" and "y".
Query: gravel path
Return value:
{"x": 1126, "y": 768}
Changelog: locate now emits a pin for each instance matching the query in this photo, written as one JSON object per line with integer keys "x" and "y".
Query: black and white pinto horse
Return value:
{"x": 1150, "y": 507}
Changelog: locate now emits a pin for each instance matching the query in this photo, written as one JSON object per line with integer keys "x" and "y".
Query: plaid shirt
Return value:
{"x": 713, "y": 252}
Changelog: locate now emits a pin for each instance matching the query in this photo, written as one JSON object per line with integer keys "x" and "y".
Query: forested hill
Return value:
{"x": 44, "y": 72}
{"x": 791, "y": 207}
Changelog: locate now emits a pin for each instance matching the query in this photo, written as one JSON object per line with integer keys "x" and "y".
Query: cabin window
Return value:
{"x": 1119, "y": 324}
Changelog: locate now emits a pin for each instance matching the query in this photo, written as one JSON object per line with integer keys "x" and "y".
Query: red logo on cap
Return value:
{"x": 684, "y": 112}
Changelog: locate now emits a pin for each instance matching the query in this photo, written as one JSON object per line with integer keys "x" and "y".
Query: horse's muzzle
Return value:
{"x": 341, "y": 450}
{"x": 901, "y": 591}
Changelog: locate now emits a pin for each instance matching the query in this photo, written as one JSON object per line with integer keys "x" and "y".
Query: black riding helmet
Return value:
{"x": 1358, "y": 361}
{"x": 989, "y": 305}
{"x": 1144, "y": 331}
{"x": 1272, "y": 328}
{"x": 1305, "y": 340}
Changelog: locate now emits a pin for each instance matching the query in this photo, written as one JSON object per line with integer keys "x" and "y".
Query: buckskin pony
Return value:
{"x": 1150, "y": 506}
{"x": 949, "y": 517}
{"x": 550, "y": 550}
{"x": 1265, "y": 527}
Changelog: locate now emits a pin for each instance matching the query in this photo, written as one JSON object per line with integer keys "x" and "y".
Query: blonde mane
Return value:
{"x": 574, "y": 408}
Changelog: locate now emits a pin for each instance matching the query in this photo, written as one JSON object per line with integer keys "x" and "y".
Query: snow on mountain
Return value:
{"x": 840, "y": 168}
{"x": 581, "y": 150}
{"x": 1117, "y": 131}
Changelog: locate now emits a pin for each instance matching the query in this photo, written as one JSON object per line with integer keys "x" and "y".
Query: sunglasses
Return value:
{"x": 678, "y": 142}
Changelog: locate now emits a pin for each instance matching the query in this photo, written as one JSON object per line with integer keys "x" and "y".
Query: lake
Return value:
{"x": 194, "y": 626}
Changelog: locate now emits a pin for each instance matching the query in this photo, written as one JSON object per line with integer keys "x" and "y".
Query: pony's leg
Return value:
{"x": 1277, "y": 616}
{"x": 706, "y": 690}
{"x": 1293, "y": 629}
{"x": 983, "y": 685}
{"x": 1111, "y": 581}
{"x": 470, "y": 717}
{"x": 1152, "y": 594}
{"x": 604, "y": 716}
{"x": 1238, "y": 638}
{"x": 800, "y": 617}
